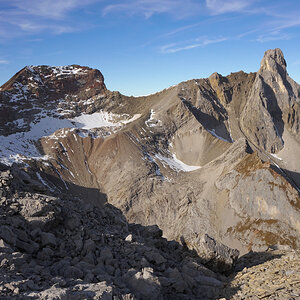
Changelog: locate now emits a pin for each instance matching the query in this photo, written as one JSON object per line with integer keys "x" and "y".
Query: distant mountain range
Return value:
{"x": 217, "y": 156}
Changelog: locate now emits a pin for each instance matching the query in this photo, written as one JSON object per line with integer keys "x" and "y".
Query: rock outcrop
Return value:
{"x": 271, "y": 103}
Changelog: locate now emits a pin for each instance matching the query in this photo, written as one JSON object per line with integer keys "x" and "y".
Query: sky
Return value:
{"x": 144, "y": 46}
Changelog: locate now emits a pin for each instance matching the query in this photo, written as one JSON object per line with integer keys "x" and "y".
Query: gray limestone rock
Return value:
{"x": 215, "y": 255}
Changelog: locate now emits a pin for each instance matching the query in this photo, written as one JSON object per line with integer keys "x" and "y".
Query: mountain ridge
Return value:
{"x": 104, "y": 195}
{"x": 194, "y": 134}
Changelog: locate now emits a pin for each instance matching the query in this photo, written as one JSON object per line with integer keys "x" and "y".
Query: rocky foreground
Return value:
{"x": 274, "y": 274}
{"x": 62, "y": 248}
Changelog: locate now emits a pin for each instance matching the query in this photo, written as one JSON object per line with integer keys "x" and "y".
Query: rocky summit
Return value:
{"x": 189, "y": 193}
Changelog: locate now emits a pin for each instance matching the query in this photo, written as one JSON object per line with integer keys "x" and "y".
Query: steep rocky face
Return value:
{"x": 272, "y": 104}
{"x": 197, "y": 158}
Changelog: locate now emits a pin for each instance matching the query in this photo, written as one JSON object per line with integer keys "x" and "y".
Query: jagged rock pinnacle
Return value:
{"x": 273, "y": 61}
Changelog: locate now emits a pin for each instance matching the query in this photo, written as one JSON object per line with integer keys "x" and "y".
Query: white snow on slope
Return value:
{"x": 176, "y": 164}
{"x": 277, "y": 157}
{"x": 67, "y": 70}
{"x": 100, "y": 119}
{"x": 15, "y": 147}
{"x": 21, "y": 144}
{"x": 86, "y": 121}
{"x": 152, "y": 122}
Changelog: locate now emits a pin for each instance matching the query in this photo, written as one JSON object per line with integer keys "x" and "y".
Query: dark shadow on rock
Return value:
{"x": 253, "y": 259}
{"x": 273, "y": 108}
{"x": 209, "y": 122}
{"x": 56, "y": 185}
{"x": 68, "y": 243}
{"x": 292, "y": 177}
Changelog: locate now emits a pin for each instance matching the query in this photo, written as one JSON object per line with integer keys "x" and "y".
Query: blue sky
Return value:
{"x": 143, "y": 46}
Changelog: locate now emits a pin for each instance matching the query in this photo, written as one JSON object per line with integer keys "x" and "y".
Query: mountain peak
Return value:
{"x": 273, "y": 61}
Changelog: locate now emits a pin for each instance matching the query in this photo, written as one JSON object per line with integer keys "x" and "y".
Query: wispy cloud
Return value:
{"x": 196, "y": 43}
{"x": 285, "y": 23}
{"x": 217, "y": 7}
{"x": 148, "y": 8}
{"x": 4, "y": 62}
{"x": 48, "y": 8}
{"x": 273, "y": 36}
{"x": 19, "y": 17}
{"x": 278, "y": 27}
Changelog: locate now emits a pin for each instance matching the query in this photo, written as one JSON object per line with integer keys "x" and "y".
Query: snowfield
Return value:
{"x": 176, "y": 164}
{"x": 21, "y": 145}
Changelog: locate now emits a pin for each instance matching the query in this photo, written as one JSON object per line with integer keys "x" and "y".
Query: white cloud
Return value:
{"x": 196, "y": 43}
{"x": 48, "y": 8}
{"x": 273, "y": 36}
{"x": 285, "y": 23}
{"x": 4, "y": 62}
{"x": 19, "y": 17}
{"x": 217, "y": 7}
{"x": 178, "y": 8}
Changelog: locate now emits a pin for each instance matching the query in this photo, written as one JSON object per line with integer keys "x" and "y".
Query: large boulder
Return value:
{"x": 216, "y": 256}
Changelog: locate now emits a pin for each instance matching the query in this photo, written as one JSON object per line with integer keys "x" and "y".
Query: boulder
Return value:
{"x": 8, "y": 235}
{"x": 48, "y": 239}
{"x": 216, "y": 256}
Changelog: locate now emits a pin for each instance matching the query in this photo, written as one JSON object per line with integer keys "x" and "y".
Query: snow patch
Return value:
{"x": 22, "y": 145}
{"x": 43, "y": 181}
{"x": 152, "y": 122}
{"x": 20, "y": 122}
{"x": 100, "y": 119}
{"x": 275, "y": 156}
{"x": 176, "y": 164}
{"x": 67, "y": 70}
{"x": 157, "y": 169}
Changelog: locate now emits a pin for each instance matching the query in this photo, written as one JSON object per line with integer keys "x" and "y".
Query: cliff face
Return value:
{"x": 272, "y": 104}
{"x": 217, "y": 156}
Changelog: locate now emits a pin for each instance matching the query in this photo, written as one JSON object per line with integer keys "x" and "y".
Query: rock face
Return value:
{"x": 271, "y": 104}
{"x": 34, "y": 90}
{"x": 217, "y": 256}
{"x": 215, "y": 157}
